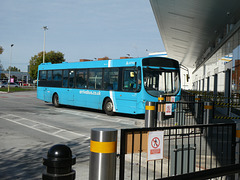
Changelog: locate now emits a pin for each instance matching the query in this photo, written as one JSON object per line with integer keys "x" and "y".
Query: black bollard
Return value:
{"x": 59, "y": 163}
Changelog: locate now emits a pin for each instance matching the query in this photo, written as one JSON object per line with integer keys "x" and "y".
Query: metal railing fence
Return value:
{"x": 186, "y": 149}
{"x": 231, "y": 104}
{"x": 183, "y": 113}
{"x": 226, "y": 172}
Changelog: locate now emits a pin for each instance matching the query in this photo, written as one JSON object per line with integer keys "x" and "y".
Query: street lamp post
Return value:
{"x": 44, "y": 28}
{"x": 9, "y": 73}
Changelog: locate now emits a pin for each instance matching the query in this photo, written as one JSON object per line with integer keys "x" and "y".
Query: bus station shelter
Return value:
{"x": 204, "y": 36}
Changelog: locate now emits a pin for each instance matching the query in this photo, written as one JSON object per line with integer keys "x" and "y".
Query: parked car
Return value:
{"x": 2, "y": 81}
{"x": 3, "y": 85}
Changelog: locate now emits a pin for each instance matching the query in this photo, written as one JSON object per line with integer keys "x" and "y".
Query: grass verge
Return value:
{"x": 17, "y": 89}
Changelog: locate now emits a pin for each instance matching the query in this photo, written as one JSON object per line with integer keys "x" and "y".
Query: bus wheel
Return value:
{"x": 108, "y": 107}
{"x": 56, "y": 100}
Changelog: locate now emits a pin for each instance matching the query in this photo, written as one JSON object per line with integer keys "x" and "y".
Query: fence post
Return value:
{"x": 59, "y": 163}
{"x": 208, "y": 112}
{"x": 236, "y": 155}
{"x": 103, "y": 147}
{"x": 160, "y": 109}
{"x": 150, "y": 114}
{"x": 197, "y": 106}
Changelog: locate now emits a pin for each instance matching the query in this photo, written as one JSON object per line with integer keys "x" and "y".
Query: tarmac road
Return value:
{"x": 29, "y": 127}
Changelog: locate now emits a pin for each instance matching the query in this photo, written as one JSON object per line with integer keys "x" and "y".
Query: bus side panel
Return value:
{"x": 40, "y": 93}
{"x": 87, "y": 98}
{"x": 123, "y": 102}
{"x": 140, "y": 104}
{"x": 80, "y": 99}
{"x": 45, "y": 93}
{"x": 63, "y": 95}
{"x": 126, "y": 102}
{"x": 48, "y": 94}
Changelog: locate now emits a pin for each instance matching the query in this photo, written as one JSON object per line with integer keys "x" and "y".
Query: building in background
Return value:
{"x": 22, "y": 77}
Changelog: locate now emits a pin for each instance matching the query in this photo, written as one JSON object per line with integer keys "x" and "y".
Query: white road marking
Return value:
{"x": 129, "y": 121}
{"x": 44, "y": 128}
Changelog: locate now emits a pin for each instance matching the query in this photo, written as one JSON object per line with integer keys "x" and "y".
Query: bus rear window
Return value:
{"x": 42, "y": 75}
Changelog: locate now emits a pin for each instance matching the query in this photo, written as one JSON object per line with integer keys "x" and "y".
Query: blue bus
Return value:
{"x": 122, "y": 85}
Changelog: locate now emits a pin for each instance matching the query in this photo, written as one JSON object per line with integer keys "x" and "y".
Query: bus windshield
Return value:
{"x": 159, "y": 81}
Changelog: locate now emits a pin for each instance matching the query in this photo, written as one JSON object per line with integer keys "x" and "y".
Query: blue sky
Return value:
{"x": 78, "y": 28}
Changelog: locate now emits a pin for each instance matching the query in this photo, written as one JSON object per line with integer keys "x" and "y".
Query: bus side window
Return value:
{"x": 57, "y": 75}
{"x": 49, "y": 75}
{"x": 130, "y": 79}
{"x": 65, "y": 78}
{"x": 110, "y": 81}
{"x": 95, "y": 79}
{"x": 81, "y": 78}
{"x": 71, "y": 79}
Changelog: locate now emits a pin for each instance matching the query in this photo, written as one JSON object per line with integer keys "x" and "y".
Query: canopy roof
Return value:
{"x": 190, "y": 28}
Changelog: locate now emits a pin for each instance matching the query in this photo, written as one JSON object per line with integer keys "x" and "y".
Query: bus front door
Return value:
{"x": 127, "y": 100}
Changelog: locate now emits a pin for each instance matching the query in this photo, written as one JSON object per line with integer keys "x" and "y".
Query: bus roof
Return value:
{"x": 97, "y": 64}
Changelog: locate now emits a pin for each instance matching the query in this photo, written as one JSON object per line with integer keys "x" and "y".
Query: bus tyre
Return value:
{"x": 56, "y": 100}
{"x": 108, "y": 107}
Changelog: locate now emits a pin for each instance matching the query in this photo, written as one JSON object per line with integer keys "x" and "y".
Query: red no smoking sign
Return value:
{"x": 155, "y": 145}
{"x": 155, "y": 142}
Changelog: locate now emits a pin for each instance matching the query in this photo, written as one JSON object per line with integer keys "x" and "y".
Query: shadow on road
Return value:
{"x": 26, "y": 163}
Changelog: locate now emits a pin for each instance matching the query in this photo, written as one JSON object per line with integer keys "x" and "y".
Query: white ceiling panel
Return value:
{"x": 189, "y": 27}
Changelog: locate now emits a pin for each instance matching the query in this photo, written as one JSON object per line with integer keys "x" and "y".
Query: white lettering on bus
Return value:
{"x": 130, "y": 63}
{"x": 98, "y": 93}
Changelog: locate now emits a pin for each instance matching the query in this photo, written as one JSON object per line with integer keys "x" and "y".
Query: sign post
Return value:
{"x": 155, "y": 145}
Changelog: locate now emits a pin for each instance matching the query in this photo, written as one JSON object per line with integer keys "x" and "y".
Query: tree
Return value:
{"x": 3, "y": 76}
{"x": 15, "y": 69}
{"x": 1, "y": 49}
{"x": 35, "y": 61}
